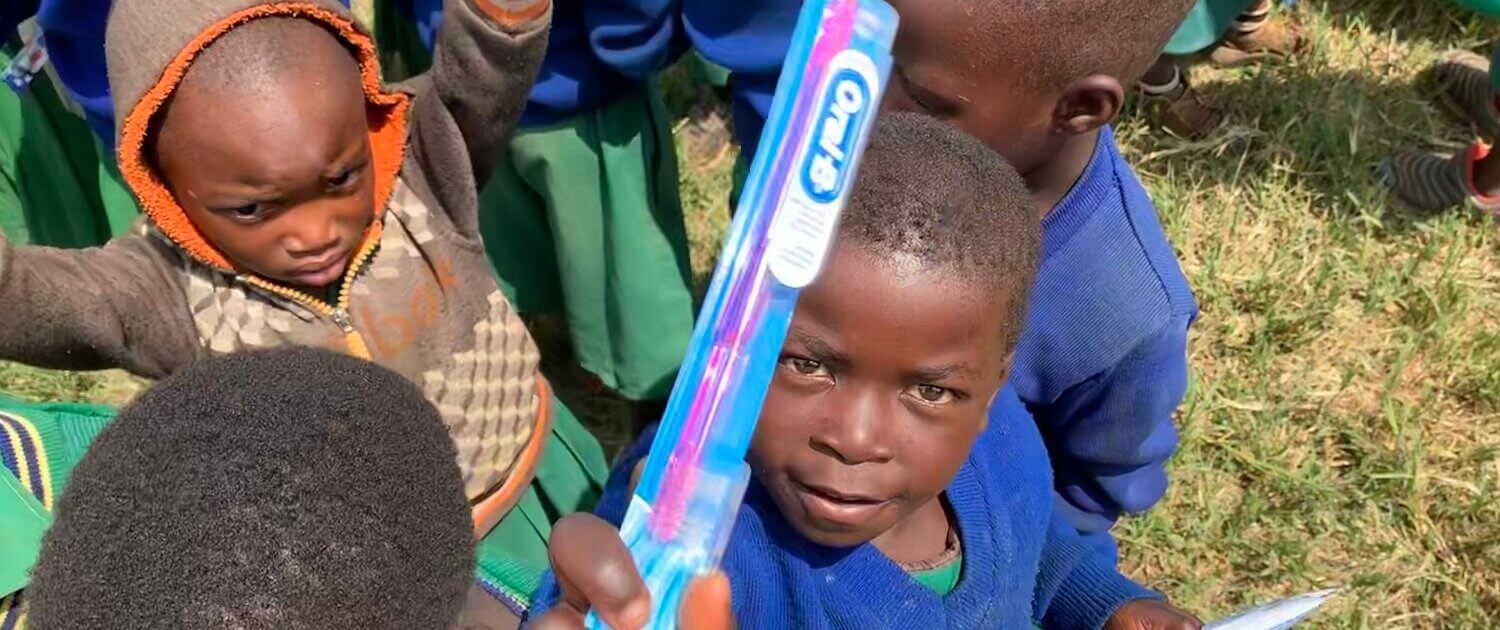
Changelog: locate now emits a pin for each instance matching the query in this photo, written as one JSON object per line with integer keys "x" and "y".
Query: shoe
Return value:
{"x": 1433, "y": 183}
{"x": 1255, "y": 38}
{"x": 1176, "y": 107}
{"x": 1462, "y": 79}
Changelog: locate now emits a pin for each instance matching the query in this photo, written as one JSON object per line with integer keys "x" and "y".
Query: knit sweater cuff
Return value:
{"x": 1091, "y": 594}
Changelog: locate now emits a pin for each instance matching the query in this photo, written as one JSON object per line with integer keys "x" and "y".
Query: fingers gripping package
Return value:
{"x": 824, "y": 109}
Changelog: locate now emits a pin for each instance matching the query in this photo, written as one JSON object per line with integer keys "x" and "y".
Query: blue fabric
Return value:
{"x": 750, "y": 39}
{"x": 1103, "y": 362}
{"x": 74, "y": 31}
{"x": 598, "y": 50}
{"x": 1021, "y": 564}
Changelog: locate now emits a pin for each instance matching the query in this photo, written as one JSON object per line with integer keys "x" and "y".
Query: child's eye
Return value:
{"x": 805, "y": 367}
{"x": 934, "y": 394}
{"x": 345, "y": 178}
{"x": 245, "y": 213}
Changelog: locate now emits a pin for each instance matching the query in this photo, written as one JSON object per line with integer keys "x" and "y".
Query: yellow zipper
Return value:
{"x": 338, "y": 312}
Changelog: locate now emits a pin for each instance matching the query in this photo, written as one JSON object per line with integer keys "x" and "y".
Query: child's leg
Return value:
{"x": 1172, "y": 103}
{"x": 608, "y": 181}
{"x": 1465, "y": 82}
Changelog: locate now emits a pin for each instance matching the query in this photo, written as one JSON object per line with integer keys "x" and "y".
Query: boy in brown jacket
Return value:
{"x": 294, "y": 199}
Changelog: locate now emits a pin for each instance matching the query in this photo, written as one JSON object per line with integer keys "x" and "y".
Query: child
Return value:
{"x": 1103, "y": 363}
{"x": 247, "y": 492}
{"x": 582, "y": 219}
{"x": 295, "y": 201}
{"x": 866, "y": 509}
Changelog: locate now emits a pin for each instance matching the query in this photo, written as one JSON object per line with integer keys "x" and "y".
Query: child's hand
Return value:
{"x": 1149, "y": 614}
{"x": 594, "y": 570}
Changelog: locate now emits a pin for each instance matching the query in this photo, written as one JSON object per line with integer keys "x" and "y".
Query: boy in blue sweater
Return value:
{"x": 895, "y": 483}
{"x": 1103, "y": 363}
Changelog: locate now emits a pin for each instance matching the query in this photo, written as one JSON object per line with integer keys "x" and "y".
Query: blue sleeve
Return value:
{"x": 74, "y": 32}
{"x": 1077, "y": 584}
{"x": 1110, "y": 436}
{"x": 611, "y": 507}
{"x": 751, "y": 40}
{"x": 636, "y": 38}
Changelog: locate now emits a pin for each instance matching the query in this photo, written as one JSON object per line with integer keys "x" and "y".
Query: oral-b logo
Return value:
{"x": 845, "y": 103}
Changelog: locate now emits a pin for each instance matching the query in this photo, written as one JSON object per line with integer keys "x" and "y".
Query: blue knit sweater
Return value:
{"x": 1021, "y": 565}
{"x": 597, "y": 51}
{"x": 751, "y": 40}
{"x": 74, "y": 31}
{"x": 1103, "y": 361}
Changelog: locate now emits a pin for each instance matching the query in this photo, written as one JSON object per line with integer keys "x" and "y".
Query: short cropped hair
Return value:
{"x": 1071, "y": 39}
{"x": 292, "y": 488}
{"x": 931, "y": 193}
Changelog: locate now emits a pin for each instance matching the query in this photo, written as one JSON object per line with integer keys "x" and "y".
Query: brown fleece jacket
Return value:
{"x": 419, "y": 297}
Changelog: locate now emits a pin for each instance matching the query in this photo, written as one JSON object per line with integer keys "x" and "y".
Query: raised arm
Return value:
{"x": 487, "y": 58}
{"x": 106, "y": 307}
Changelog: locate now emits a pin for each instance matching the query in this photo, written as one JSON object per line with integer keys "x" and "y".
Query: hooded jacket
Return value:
{"x": 419, "y": 296}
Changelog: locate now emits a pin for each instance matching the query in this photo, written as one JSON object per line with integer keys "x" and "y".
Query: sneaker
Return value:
{"x": 1431, "y": 183}
{"x": 1462, "y": 79}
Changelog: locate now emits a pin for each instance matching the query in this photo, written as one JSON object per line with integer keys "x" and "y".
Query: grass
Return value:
{"x": 1343, "y": 426}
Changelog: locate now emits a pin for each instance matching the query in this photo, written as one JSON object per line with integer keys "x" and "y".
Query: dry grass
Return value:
{"x": 1343, "y": 427}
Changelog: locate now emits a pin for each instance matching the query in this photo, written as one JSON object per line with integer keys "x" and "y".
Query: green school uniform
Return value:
{"x": 1205, "y": 24}
{"x": 583, "y": 218}
{"x": 58, "y": 186}
{"x": 41, "y": 443}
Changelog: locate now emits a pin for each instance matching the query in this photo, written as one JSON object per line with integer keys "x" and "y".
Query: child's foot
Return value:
{"x": 1463, "y": 83}
{"x": 1431, "y": 182}
{"x": 1255, "y": 37}
{"x": 1175, "y": 106}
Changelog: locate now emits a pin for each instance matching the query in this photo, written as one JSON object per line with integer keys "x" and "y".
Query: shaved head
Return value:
{"x": 1065, "y": 40}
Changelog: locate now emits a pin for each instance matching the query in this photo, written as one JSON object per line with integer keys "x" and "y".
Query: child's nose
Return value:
{"x": 857, "y": 436}
{"x": 312, "y": 234}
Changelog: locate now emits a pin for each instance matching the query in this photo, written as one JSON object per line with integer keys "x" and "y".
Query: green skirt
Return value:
{"x": 41, "y": 443}
{"x": 58, "y": 186}
{"x": 583, "y": 218}
{"x": 1205, "y": 24}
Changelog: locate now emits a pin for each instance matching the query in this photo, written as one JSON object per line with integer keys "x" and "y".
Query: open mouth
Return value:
{"x": 833, "y": 505}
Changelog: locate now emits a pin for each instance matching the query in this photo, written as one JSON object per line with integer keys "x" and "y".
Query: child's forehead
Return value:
{"x": 864, "y": 282}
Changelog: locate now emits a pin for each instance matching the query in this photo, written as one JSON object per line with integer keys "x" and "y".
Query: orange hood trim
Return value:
{"x": 386, "y": 111}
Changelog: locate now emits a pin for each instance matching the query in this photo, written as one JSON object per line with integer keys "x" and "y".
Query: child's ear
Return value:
{"x": 1088, "y": 104}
